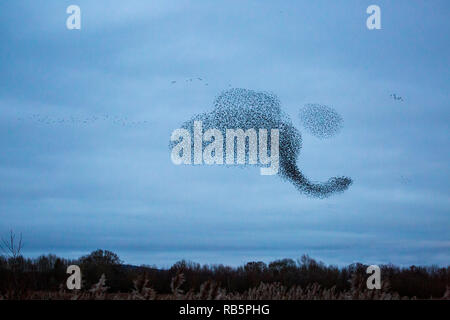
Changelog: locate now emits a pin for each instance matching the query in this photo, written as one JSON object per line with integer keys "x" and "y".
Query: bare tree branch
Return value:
{"x": 10, "y": 247}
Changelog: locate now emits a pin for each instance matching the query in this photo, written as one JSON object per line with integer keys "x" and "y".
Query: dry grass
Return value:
{"x": 210, "y": 290}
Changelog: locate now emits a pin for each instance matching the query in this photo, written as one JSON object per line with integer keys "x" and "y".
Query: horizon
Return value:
{"x": 233, "y": 265}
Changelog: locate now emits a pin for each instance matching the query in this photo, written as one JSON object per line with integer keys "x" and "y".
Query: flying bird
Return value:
{"x": 395, "y": 97}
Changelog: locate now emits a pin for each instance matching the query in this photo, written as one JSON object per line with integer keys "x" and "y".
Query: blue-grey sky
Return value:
{"x": 76, "y": 185}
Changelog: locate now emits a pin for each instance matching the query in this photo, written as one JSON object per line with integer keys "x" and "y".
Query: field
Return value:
{"x": 105, "y": 277}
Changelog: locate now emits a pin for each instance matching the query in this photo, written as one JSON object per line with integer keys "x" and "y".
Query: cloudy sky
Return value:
{"x": 86, "y": 117}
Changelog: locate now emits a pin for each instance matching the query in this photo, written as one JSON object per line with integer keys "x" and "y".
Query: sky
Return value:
{"x": 86, "y": 118}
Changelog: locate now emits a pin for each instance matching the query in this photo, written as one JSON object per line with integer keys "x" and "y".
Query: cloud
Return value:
{"x": 74, "y": 188}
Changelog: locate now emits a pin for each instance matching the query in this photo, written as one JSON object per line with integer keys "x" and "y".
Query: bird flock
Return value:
{"x": 321, "y": 121}
{"x": 83, "y": 120}
{"x": 246, "y": 109}
{"x": 396, "y": 97}
{"x": 188, "y": 80}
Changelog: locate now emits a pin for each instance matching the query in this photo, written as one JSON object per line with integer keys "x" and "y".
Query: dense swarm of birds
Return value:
{"x": 246, "y": 109}
{"x": 321, "y": 121}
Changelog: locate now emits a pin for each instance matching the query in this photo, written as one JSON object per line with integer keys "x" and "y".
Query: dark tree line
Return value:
{"x": 48, "y": 272}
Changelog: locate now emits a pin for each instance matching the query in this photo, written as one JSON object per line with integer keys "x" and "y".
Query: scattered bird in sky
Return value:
{"x": 189, "y": 80}
{"x": 404, "y": 180}
{"x": 83, "y": 121}
{"x": 395, "y": 97}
